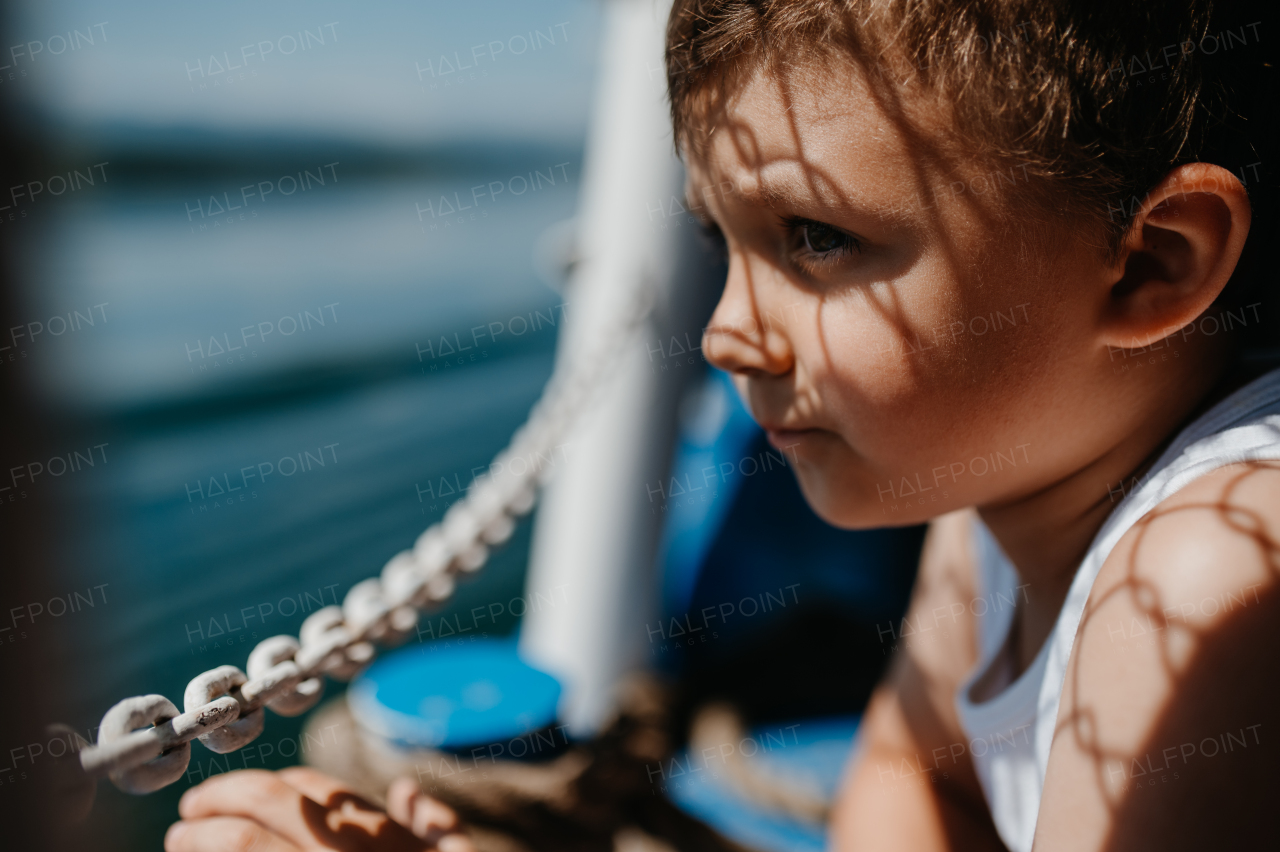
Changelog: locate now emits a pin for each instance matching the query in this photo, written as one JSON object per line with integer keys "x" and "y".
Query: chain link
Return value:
{"x": 144, "y": 743}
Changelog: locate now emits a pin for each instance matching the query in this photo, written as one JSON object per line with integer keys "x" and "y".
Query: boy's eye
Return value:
{"x": 820, "y": 238}
{"x": 813, "y": 241}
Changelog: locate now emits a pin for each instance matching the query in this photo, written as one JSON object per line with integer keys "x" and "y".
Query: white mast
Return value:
{"x": 596, "y": 530}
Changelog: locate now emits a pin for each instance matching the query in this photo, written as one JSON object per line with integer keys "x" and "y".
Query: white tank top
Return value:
{"x": 1010, "y": 733}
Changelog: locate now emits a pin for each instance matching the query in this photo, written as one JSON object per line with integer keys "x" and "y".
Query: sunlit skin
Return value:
{"x": 852, "y": 356}
{"x": 859, "y": 256}
{"x": 302, "y": 810}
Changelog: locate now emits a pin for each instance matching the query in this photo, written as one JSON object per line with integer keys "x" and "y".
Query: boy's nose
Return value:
{"x": 744, "y": 336}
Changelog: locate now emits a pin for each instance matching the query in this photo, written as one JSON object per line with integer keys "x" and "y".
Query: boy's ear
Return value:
{"x": 1179, "y": 253}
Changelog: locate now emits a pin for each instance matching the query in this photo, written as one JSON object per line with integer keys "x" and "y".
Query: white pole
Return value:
{"x": 595, "y": 534}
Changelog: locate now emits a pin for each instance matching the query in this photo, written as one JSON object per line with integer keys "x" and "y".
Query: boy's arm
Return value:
{"x": 1169, "y": 728}
{"x": 912, "y": 785}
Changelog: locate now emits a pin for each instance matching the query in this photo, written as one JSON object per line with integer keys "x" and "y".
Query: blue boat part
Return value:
{"x": 460, "y": 699}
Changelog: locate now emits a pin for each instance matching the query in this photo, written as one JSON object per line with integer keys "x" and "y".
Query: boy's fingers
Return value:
{"x": 257, "y": 795}
{"x": 400, "y": 801}
{"x": 421, "y": 814}
{"x": 345, "y": 808}
{"x": 431, "y": 819}
{"x": 455, "y": 843}
{"x": 221, "y": 834}
{"x": 314, "y": 784}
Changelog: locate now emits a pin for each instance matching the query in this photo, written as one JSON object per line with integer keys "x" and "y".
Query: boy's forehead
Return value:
{"x": 820, "y": 135}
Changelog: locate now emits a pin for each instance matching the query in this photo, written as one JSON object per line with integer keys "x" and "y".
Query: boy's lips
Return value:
{"x": 784, "y": 438}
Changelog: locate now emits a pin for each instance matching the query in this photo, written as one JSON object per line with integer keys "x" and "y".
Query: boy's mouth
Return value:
{"x": 784, "y": 438}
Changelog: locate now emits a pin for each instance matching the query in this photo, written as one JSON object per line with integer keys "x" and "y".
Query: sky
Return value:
{"x": 392, "y": 73}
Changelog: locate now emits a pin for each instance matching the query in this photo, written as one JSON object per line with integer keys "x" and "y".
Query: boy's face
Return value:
{"x": 911, "y": 354}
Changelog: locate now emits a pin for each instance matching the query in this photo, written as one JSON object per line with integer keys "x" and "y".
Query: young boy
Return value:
{"x": 977, "y": 258}
{"x": 985, "y": 269}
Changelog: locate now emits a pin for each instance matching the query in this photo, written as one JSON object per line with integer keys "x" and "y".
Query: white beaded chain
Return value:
{"x": 144, "y": 742}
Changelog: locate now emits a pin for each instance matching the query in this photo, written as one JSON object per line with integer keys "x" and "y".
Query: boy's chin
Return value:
{"x": 848, "y": 505}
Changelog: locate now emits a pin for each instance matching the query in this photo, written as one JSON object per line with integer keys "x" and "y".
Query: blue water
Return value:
{"x": 361, "y": 269}
{"x": 205, "y": 531}
{"x": 282, "y": 389}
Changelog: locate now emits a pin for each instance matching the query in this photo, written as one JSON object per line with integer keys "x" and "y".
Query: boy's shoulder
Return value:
{"x": 1218, "y": 534}
{"x": 1186, "y": 565}
{"x": 1170, "y": 691}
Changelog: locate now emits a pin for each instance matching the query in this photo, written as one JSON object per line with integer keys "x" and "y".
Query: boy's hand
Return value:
{"x": 433, "y": 821}
{"x": 301, "y": 809}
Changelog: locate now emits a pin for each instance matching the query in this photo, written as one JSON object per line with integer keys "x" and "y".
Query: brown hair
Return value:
{"x": 1095, "y": 99}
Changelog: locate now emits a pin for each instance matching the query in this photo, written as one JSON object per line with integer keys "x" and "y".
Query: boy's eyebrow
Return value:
{"x": 763, "y": 193}
{"x": 772, "y": 193}
{"x": 786, "y": 192}
{"x": 775, "y": 191}
{"x": 778, "y": 191}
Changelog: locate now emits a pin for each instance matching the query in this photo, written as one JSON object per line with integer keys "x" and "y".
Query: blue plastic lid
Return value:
{"x": 456, "y": 697}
